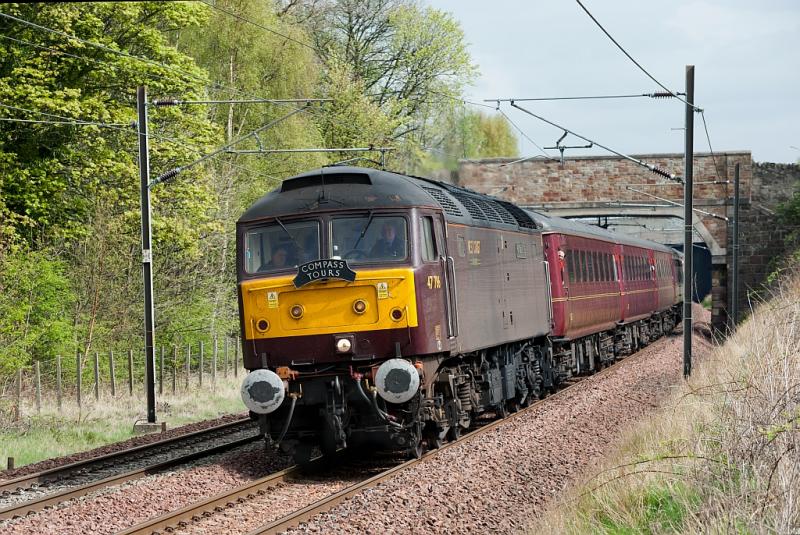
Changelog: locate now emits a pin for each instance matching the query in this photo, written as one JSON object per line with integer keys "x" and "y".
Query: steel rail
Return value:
{"x": 38, "y": 504}
{"x": 60, "y": 472}
{"x": 326, "y": 504}
{"x": 258, "y": 487}
{"x": 221, "y": 500}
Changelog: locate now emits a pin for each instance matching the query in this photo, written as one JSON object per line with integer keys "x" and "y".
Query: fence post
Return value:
{"x": 188, "y": 364}
{"x": 38, "y": 388}
{"x": 236, "y": 359}
{"x": 58, "y": 382}
{"x": 161, "y": 375}
{"x": 79, "y": 377}
{"x": 18, "y": 408}
{"x": 214, "y": 364}
{"x": 130, "y": 372}
{"x": 113, "y": 376}
{"x": 202, "y": 354}
{"x": 174, "y": 369}
{"x": 96, "y": 376}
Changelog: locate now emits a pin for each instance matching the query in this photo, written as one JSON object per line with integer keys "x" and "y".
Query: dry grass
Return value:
{"x": 723, "y": 455}
{"x": 53, "y": 434}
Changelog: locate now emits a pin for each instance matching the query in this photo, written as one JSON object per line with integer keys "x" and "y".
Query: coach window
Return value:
{"x": 601, "y": 258}
{"x": 570, "y": 267}
{"x": 428, "y": 241}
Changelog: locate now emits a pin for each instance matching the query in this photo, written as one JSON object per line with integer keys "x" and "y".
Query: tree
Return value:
{"x": 72, "y": 189}
{"x": 467, "y": 134}
{"x": 409, "y": 61}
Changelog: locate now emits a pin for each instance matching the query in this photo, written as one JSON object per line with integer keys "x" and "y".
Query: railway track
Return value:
{"x": 34, "y": 492}
{"x": 250, "y": 491}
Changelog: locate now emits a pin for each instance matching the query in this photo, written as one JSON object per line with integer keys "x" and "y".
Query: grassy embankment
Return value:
{"x": 723, "y": 455}
{"x": 51, "y": 434}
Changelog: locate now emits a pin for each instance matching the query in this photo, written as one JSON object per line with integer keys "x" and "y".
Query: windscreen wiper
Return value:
{"x": 364, "y": 231}
{"x": 278, "y": 221}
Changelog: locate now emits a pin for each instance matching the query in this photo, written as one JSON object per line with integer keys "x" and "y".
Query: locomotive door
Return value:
{"x": 449, "y": 275}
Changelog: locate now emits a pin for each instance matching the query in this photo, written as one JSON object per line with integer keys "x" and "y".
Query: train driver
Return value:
{"x": 389, "y": 245}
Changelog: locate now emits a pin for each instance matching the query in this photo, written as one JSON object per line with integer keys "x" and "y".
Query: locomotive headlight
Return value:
{"x": 396, "y": 314}
{"x": 359, "y": 306}
{"x": 343, "y": 345}
{"x": 296, "y": 311}
{"x": 262, "y": 325}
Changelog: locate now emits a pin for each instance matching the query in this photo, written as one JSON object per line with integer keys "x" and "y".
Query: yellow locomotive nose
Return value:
{"x": 376, "y": 300}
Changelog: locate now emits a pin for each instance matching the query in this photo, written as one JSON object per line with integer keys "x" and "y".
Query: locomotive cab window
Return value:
{"x": 428, "y": 243}
{"x": 277, "y": 248}
{"x": 369, "y": 238}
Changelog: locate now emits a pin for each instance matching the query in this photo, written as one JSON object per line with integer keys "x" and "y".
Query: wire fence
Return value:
{"x": 72, "y": 380}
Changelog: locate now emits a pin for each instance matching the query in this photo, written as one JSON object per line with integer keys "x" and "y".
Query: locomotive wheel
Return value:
{"x": 501, "y": 411}
{"x": 454, "y": 433}
{"x": 435, "y": 440}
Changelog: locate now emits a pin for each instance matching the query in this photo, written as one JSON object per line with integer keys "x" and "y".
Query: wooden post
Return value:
{"x": 58, "y": 382}
{"x": 112, "y": 374}
{"x": 174, "y": 369}
{"x": 214, "y": 363}
{"x": 130, "y": 372}
{"x": 188, "y": 364}
{"x": 79, "y": 377}
{"x": 161, "y": 374}
{"x": 38, "y": 387}
{"x": 202, "y": 351}
{"x": 236, "y": 359}
{"x": 18, "y": 408}
{"x": 96, "y": 376}
{"x": 10, "y": 463}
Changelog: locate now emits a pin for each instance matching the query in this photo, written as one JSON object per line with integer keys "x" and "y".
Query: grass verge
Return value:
{"x": 53, "y": 434}
{"x": 722, "y": 456}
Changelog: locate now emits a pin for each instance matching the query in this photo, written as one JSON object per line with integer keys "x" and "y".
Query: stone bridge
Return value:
{"x": 620, "y": 195}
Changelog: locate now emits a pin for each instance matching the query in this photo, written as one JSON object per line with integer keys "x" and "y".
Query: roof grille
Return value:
{"x": 521, "y": 217}
{"x": 319, "y": 180}
{"x": 472, "y": 207}
{"x": 445, "y": 201}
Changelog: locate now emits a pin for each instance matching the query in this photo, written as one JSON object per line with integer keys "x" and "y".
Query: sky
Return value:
{"x": 747, "y": 71}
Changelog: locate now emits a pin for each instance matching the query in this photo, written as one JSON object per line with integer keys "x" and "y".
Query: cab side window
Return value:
{"x": 428, "y": 245}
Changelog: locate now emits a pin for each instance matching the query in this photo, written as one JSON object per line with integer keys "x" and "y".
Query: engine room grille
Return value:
{"x": 522, "y": 219}
{"x": 472, "y": 207}
{"x": 445, "y": 201}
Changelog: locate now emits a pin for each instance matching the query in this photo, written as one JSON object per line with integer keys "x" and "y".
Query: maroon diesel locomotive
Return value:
{"x": 383, "y": 309}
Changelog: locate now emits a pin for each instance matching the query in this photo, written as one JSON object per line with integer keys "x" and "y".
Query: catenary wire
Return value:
{"x": 73, "y": 123}
{"x": 708, "y": 138}
{"x": 102, "y": 47}
{"x": 78, "y": 57}
{"x": 653, "y": 168}
{"x": 695, "y": 108}
{"x": 116, "y": 126}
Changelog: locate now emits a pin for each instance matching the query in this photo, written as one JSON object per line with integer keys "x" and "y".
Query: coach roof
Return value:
{"x": 567, "y": 226}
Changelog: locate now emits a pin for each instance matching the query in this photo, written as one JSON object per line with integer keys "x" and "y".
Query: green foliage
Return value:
{"x": 69, "y": 194}
{"x": 35, "y": 299}
{"x": 468, "y": 134}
